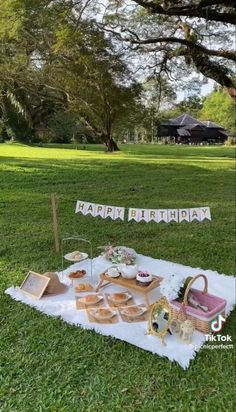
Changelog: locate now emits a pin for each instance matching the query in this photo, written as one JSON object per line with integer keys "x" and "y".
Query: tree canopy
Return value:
{"x": 219, "y": 106}
{"x": 107, "y": 67}
{"x": 178, "y": 36}
{"x": 57, "y": 60}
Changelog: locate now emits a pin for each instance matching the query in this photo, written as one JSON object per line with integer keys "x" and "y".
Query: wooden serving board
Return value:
{"x": 92, "y": 319}
{"x": 112, "y": 304}
{"x": 129, "y": 284}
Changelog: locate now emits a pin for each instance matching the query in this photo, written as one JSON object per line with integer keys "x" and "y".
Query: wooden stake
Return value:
{"x": 55, "y": 222}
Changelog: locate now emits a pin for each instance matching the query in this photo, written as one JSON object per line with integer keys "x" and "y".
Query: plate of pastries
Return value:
{"x": 76, "y": 256}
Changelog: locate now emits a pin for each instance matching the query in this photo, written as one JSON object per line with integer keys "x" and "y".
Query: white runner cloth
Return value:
{"x": 134, "y": 333}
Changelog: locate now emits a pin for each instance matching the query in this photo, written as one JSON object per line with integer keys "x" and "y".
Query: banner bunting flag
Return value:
{"x": 109, "y": 212}
{"x": 119, "y": 213}
{"x": 205, "y": 213}
{"x": 162, "y": 216}
{"x": 90, "y": 209}
{"x": 173, "y": 215}
{"x": 147, "y": 215}
{"x": 183, "y": 215}
{"x": 99, "y": 210}
{"x": 80, "y": 207}
{"x": 152, "y": 215}
{"x": 133, "y": 215}
{"x": 195, "y": 213}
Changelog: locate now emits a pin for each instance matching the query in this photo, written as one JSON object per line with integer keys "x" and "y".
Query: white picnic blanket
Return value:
{"x": 134, "y": 333}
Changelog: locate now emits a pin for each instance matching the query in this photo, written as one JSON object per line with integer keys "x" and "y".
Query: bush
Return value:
{"x": 62, "y": 127}
{"x": 231, "y": 141}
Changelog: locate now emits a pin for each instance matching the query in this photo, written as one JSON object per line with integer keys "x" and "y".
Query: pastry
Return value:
{"x": 77, "y": 274}
{"x": 119, "y": 297}
{"x": 133, "y": 311}
{"x": 75, "y": 255}
{"x": 103, "y": 313}
{"x": 90, "y": 299}
{"x": 83, "y": 287}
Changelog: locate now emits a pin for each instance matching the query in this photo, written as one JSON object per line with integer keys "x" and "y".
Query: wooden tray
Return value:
{"x": 130, "y": 284}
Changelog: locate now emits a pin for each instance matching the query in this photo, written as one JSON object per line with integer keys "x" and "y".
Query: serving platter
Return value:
{"x": 103, "y": 313}
{"x": 133, "y": 311}
{"x": 70, "y": 256}
{"x": 119, "y": 297}
{"x": 89, "y": 301}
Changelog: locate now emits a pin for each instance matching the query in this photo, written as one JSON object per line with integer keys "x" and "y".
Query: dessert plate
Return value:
{"x": 76, "y": 256}
{"x": 133, "y": 311}
{"x": 103, "y": 313}
{"x": 78, "y": 274}
{"x": 91, "y": 299}
{"x": 120, "y": 297}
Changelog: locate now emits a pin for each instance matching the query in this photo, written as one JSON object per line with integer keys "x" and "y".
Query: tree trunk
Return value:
{"x": 232, "y": 92}
{"x": 110, "y": 144}
{"x": 214, "y": 71}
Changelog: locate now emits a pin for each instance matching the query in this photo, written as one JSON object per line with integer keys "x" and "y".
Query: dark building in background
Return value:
{"x": 188, "y": 130}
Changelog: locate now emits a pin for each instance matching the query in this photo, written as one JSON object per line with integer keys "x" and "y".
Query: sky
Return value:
{"x": 208, "y": 84}
{"x": 205, "y": 90}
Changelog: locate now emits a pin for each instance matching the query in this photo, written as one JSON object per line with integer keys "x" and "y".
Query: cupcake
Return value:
{"x": 143, "y": 278}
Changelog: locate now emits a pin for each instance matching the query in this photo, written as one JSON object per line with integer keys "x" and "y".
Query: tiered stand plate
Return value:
{"x": 84, "y": 255}
{"x": 130, "y": 284}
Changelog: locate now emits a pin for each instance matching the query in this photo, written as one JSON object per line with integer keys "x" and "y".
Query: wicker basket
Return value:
{"x": 201, "y": 320}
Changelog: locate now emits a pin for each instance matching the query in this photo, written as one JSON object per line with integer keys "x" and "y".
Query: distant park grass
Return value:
{"x": 48, "y": 365}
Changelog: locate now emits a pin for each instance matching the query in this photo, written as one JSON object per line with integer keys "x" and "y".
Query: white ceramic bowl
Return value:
{"x": 144, "y": 279}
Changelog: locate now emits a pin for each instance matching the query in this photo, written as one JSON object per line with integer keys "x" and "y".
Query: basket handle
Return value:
{"x": 185, "y": 302}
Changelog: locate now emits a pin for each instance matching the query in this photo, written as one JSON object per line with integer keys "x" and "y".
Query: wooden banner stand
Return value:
{"x": 55, "y": 222}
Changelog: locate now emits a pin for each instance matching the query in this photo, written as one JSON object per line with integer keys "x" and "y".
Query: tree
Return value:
{"x": 219, "y": 108}
{"x": 93, "y": 75}
{"x": 192, "y": 105}
{"x": 26, "y": 97}
{"x": 141, "y": 119}
{"x": 180, "y": 35}
{"x": 52, "y": 51}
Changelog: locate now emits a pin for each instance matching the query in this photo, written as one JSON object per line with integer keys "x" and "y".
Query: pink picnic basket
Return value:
{"x": 201, "y": 320}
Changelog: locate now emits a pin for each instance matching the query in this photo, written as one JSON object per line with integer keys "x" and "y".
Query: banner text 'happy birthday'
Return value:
{"x": 147, "y": 215}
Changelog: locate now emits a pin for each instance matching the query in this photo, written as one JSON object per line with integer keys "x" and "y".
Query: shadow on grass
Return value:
{"x": 140, "y": 150}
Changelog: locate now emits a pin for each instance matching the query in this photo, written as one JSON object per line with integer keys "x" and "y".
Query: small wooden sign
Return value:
{"x": 34, "y": 284}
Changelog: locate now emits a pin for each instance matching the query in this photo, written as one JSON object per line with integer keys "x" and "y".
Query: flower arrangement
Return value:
{"x": 119, "y": 254}
{"x": 172, "y": 287}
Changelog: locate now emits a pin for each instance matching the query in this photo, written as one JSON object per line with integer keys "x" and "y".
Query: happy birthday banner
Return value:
{"x": 148, "y": 215}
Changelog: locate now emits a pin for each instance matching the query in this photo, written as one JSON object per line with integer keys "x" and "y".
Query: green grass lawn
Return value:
{"x": 47, "y": 365}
